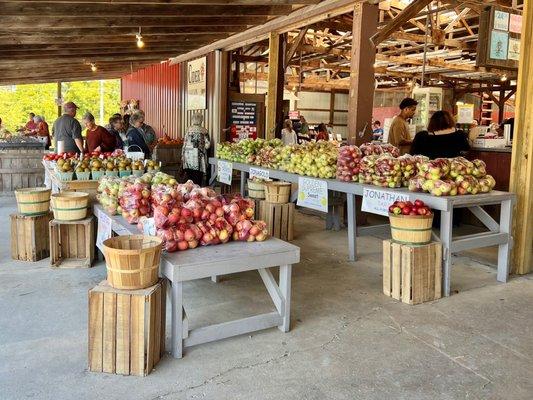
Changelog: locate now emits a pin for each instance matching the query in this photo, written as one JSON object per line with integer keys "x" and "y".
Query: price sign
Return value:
{"x": 377, "y": 201}
{"x": 259, "y": 173}
{"x": 104, "y": 229}
{"x": 313, "y": 193}
{"x": 225, "y": 171}
{"x": 149, "y": 226}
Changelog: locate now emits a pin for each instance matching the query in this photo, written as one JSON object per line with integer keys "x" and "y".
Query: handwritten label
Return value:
{"x": 465, "y": 113}
{"x": 104, "y": 229}
{"x": 225, "y": 171}
{"x": 313, "y": 193}
{"x": 377, "y": 201}
{"x": 259, "y": 173}
{"x": 149, "y": 226}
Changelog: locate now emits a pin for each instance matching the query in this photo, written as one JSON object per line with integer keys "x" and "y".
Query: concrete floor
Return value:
{"x": 348, "y": 341}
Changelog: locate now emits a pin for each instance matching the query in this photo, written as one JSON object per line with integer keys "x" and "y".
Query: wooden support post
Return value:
{"x": 276, "y": 80}
{"x": 59, "y": 95}
{"x": 365, "y": 18}
{"x": 501, "y": 107}
{"x": 521, "y": 181}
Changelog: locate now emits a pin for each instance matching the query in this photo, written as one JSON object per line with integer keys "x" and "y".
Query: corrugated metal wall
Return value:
{"x": 159, "y": 89}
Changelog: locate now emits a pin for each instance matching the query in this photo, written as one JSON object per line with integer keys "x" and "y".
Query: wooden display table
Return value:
{"x": 229, "y": 258}
{"x": 499, "y": 232}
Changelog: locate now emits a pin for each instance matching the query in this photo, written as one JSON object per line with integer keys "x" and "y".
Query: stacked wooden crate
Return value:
{"x": 20, "y": 168}
{"x": 29, "y": 237}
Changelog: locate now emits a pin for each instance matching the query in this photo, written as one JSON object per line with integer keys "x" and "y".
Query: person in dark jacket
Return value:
{"x": 442, "y": 138}
{"x": 116, "y": 124}
{"x": 135, "y": 136}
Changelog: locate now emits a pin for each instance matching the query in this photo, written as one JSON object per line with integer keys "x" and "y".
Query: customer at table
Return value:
{"x": 399, "y": 130}
{"x": 135, "y": 137}
{"x": 42, "y": 129}
{"x": 31, "y": 126}
{"x": 117, "y": 129}
{"x": 288, "y": 136}
{"x": 108, "y": 126}
{"x": 194, "y": 152}
{"x": 147, "y": 131}
{"x": 98, "y": 138}
{"x": 442, "y": 138}
{"x": 67, "y": 131}
{"x": 322, "y": 132}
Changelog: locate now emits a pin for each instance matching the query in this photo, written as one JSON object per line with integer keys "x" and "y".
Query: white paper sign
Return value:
{"x": 104, "y": 229}
{"x": 149, "y": 226}
{"x": 259, "y": 173}
{"x": 313, "y": 193}
{"x": 225, "y": 171}
{"x": 377, "y": 201}
{"x": 465, "y": 113}
{"x": 501, "y": 20}
{"x": 196, "y": 84}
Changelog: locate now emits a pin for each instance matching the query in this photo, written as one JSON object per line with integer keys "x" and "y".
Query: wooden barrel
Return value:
{"x": 132, "y": 261}
{"x": 277, "y": 192}
{"x": 33, "y": 201}
{"x": 70, "y": 206}
{"x": 411, "y": 229}
{"x": 256, "y": 190}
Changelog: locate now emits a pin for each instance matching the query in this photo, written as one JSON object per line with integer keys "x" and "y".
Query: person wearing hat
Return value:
{"x": 399, "y": 130}
{"x": 67, "y": 131}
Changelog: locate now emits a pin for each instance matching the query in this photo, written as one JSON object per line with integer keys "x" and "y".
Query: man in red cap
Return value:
{"x": 67, "y": 130}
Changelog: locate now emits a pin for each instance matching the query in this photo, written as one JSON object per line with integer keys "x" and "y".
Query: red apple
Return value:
{"x": 419, "y": 203}
{"x": 183, "y": 245}
{"x": 406, "y": 210}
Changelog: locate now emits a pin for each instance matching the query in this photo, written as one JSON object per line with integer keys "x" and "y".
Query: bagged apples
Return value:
{"x": 480, "y": 169}
{"x": 435, "y": 169}
{"x": 108, "y": 193}
{"x": 486, "y": 184}
{"x": 416, "y": 184}
{"x": 387, "y": 148}
{"x": 467, "y": 184}
{"x": 388, "y": 172}
{"x": 134, "y": 199}
{"x": 348, "y": 163}
{"x": 408, "y": 168}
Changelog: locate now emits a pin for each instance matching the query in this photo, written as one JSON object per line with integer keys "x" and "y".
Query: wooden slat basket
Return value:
{"x": 277, "y": 192}
{"x": 256, "y": 190}
{"x": 70, "y": 206}
{"x": 132, "y": 261}
{"x": 411, "y": 229}
{"x": 33, "y": 201}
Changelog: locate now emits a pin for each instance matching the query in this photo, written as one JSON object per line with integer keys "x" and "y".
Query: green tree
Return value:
{"x": 16, "y": 102}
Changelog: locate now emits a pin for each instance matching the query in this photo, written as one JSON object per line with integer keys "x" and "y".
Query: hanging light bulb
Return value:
{"x": 503, "y": 78}
{"x": 140, "y": 42}
{"x": 93, "y": 67}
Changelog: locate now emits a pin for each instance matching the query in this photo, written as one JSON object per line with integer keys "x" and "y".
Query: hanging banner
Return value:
{"x": 224, "y": 172}
{"x": 259, "y": 173}
{"x": 104, "y": 229}
{"x": 196, "y": 84}
{"x": 377, "y": 201}
{"x": 313, "y": 193}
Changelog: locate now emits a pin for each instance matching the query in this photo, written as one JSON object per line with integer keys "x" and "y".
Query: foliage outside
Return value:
{"x": 16, "y": 102}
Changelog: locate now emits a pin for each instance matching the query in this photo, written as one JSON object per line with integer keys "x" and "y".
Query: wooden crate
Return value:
{"x": 21, "y": 168}
{"x": 126, "y": 329}
{"x": 279, "y": 219}
{"x": 29, "y": 237}
{"x": 412, "y": 274}
{"x": 72, "y": 243}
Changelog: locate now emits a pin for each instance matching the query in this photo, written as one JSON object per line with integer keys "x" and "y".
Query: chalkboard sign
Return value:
{"x": 243, "y": 118}
{"x": 499, "y": 38}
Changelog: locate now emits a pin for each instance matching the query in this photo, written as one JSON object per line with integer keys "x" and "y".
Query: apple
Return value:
{"x": 183, "y": 245}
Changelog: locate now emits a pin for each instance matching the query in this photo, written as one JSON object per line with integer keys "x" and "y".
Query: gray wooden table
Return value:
{"x": 229, "y": 258}
{"x": 499, "y": 232}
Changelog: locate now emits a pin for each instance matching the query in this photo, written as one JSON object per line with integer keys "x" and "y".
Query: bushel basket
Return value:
{"x": 411, "y": 229}
{"x": 70, "y": 206}
{"x": 277, "y": 192}
{"x": 33, "y": 201}
{"x": 132, "y": 261}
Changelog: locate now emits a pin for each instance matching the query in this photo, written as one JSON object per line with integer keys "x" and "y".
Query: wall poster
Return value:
{"x": 196, "y": 84}
{"x": 501, "y": 20}
{"x": 243, "y": 119}
{"x": 499, "y": 42}
{"x": 515, "y": 23}
{"x": 514, "y": 49}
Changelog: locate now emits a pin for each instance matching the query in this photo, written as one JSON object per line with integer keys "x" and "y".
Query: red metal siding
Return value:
{"x": 158, "y": 90}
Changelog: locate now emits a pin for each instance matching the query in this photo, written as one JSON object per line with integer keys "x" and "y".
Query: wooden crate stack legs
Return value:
{"x": 412, "y": 274}
{"x": 126, "y": 329}
{"x": 29, "y": 237}
{"x": 279, "y": 219}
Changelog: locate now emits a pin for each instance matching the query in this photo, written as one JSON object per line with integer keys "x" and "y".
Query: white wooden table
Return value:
{"x": 209, "y": 261}
{"x": 498, "y": 232}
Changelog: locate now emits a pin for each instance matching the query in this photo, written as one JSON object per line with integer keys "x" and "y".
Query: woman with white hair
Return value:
{"x": 135, "y": 137}
{"x": 194, "y": 152}
{"x": 42, "y": 129}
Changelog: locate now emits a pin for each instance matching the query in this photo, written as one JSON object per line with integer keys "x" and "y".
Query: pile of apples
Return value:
{"x": 383, "y": 170}
{"x": 108, "y": 188}
{"x": 418, "y": 207}
{"x": 371, "y": 148}
{"x": 244, "y": 150}
{"x": 451, "y": 177}
{"x": 348, "y": 163}
{"x": 134, "y": 198}
{"x": 317, "y": 159}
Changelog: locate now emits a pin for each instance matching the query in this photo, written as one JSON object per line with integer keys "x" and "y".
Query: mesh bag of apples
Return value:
{"x": 187, "y": 216}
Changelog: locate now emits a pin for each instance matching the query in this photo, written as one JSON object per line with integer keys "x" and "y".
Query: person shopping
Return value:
{"x": 98, "y": 138}
{"x": 322, "y": 132}
{"x": 67, "y": 131}
{"x": 194, "y": 151}
{"x": 134, "y": 136}
{"x": 441, "y": 139}
{"x": 287, "y": 133}
{"x": 42, "y": 129}
{"x": 399, "y": 130}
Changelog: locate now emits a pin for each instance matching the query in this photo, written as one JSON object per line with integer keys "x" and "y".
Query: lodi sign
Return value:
{"x": 196, "y": 84}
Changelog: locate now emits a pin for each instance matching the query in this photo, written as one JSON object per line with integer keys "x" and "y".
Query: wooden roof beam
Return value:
{"x": 408, "y": 12}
